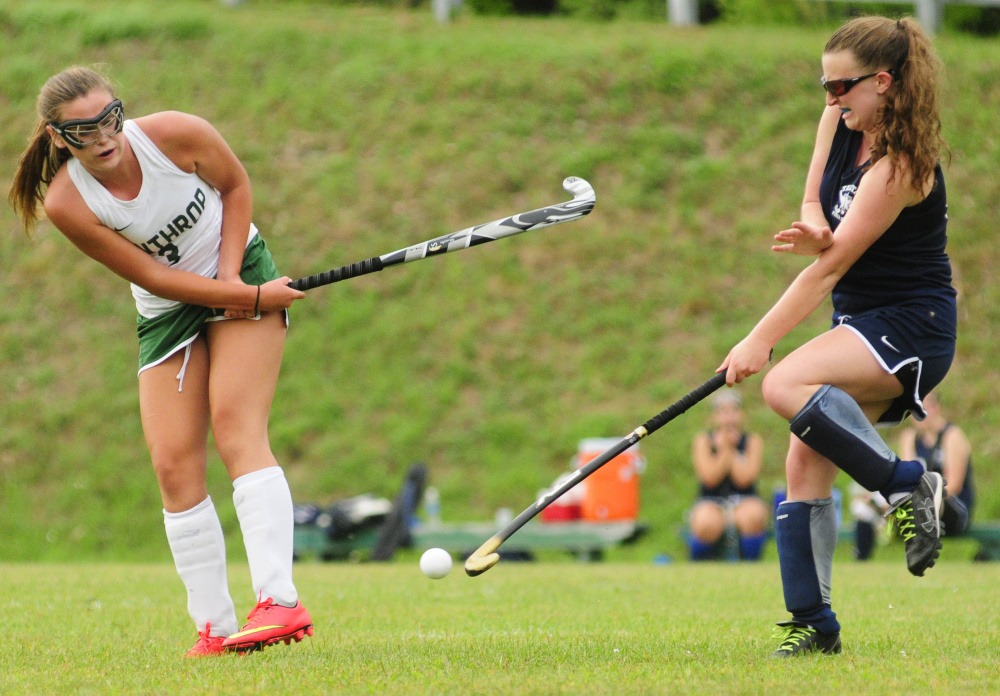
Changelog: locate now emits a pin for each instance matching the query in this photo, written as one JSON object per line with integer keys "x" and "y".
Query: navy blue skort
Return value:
{"x": 915, "y": 342}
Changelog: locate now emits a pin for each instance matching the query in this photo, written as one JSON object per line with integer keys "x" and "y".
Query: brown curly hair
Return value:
{"x": 910, "y": 122}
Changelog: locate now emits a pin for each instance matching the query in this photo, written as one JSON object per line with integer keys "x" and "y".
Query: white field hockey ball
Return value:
{"x": 435, "y": 563}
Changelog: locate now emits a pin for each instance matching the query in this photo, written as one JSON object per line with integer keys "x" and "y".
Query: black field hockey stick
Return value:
{"x": 486, "y": 556}
{"x": 582, "y": 203}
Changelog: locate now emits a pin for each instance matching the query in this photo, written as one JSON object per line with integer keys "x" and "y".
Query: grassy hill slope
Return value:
{"x": 366, "y": 130}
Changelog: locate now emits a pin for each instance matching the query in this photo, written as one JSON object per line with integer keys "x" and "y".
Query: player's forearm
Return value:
{"x": 237, "y": 205}
{"x": 812, "y": 212}
{"x": 745, "y": 472}
{"x": 191, "y": 288}
{"x": 711, "y": 470}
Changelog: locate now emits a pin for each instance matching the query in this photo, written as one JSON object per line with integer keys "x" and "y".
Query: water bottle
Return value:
{"x": 838, "y": 506}
{"x": 432, "y": 506}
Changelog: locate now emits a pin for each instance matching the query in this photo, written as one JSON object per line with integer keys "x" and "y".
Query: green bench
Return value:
{"x": 314, "y": 542}
{"x": 587, "y": 541}
{"x": 987, "y": 534}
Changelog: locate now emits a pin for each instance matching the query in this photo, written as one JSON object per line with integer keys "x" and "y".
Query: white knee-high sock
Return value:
{"x": 264, "y": 508}
{"x": 199, "y": 550}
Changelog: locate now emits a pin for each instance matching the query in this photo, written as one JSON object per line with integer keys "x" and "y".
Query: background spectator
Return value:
{"x": 942, "y": 447}
{"x": 729, "y": 519}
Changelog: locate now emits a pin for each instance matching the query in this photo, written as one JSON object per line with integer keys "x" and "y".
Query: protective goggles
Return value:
{"x": 839, "y": 88}
{"x": 82, "y": 132}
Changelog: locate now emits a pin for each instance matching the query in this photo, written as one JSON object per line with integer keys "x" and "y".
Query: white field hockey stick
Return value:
{"x": 486, "y": 556}
{"x": 582, "y": 203}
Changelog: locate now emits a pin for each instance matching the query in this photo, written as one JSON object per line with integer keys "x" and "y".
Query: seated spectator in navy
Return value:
{"x": 729, "y": 519}
{"x": 942, "y": 447}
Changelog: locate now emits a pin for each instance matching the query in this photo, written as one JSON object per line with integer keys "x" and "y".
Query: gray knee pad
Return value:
{"x": 834, "y": 425}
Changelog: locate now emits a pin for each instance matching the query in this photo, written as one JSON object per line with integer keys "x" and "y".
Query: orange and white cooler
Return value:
{"x": 565, "y": 508}
{"x": 611, "y": 492}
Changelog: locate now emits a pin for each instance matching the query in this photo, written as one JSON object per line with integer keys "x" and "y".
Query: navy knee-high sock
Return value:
{"x": 834, "y": 425}
{"x": 806, "y": 534}
{"x": 751, "y": 547}
{"x": 864, "y": 540}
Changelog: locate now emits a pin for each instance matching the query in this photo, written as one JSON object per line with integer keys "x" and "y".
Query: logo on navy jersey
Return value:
{"x": 846, "y": 198}
{"x": 161, "y": 244}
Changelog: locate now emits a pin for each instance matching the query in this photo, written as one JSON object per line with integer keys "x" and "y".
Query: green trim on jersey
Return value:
{"x": 165, "y": 334}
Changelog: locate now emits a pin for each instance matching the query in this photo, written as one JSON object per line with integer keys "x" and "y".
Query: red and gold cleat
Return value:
{"x": 207, "y": 645}
{"x": 268, "y": 624}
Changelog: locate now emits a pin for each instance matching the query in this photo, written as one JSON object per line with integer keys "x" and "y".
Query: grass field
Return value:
{"x": 547, "y": 628}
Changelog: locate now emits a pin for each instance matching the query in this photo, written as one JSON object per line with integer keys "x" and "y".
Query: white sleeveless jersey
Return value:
{"x": 176, "y": 218}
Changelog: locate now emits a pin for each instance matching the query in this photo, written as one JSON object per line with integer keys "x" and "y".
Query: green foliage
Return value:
{"x": 512, "y": 7}
{"x": 781, "y": 12}
{"x": 491, "y": 8}
{"x": 984, "y": 21}
{"x": 124, "y": 24}
{"x": 365, "y": 130}
{"x": 44, "y": 16}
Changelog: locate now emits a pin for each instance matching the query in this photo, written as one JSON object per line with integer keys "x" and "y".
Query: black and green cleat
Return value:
{"x": 917, "y": 519}
{"x": 798, "y": 638}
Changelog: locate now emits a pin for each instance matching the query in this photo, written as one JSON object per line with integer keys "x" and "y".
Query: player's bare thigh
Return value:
{"x": 245, "y": 358}
{"x": 838, "y": 357}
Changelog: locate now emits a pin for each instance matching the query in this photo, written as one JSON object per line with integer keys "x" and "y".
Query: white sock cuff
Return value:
{"x": 260, "y": 476}
{"x": 204, "y": 505}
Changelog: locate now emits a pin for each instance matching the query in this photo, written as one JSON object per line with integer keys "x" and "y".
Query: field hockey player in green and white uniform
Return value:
{"x": 163, "y": 202}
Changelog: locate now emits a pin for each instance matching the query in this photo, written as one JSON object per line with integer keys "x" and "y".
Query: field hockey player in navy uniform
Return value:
{"x": 874, "y": 215}
{"x": 164, "y": 203}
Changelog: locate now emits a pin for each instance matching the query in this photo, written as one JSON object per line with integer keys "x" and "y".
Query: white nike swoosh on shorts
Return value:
{"x": 885, "y": 340}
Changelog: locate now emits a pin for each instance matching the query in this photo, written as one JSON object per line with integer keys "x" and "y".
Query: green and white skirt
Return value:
{"x": 164, "y": 335}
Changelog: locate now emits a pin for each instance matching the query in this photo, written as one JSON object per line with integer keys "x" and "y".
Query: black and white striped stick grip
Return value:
{"x": 583, "y": 202}
{"x": 372, "y": 265}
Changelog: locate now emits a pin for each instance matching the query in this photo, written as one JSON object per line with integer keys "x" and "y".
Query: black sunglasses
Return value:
{"x": 839, "y": 88}
{"x": 82, "y": 132}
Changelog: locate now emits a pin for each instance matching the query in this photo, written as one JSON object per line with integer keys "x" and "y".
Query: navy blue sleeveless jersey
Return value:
{"x": 908, "y": 264}
{"x": 726, "y": 487}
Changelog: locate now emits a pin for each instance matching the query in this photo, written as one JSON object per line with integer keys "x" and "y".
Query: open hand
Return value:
{"x": 804, "y": 239}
